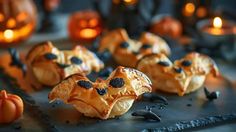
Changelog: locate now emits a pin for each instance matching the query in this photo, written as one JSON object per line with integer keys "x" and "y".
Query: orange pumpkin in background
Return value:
{"x": 167, "y": 26}
{"x": 17, "y": 20}
{"x": 84, "y": 25}
{"x": 11, "y": 107}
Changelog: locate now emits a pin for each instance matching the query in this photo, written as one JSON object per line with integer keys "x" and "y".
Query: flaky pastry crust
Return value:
{"x": 183, "y": 76}
{"x": 128, "y": 51}
{"x": 50, "y": 65}
{"x": 102, "y": 98}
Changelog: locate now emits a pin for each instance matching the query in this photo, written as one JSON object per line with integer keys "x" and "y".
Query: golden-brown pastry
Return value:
{"x": 128, "y": 51}
{"x": 102, "y": 98}
{"x": 184, "y": 76}
{"x": 50, "y": 65}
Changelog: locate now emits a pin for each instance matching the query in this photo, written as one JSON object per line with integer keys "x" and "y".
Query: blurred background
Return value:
{"x": 188, "y": 23}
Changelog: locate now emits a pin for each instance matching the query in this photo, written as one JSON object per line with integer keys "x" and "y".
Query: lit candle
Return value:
{"x": 217, "y": 30}
{"x": 217, "y": 22}
{"x": 219, "y": 27}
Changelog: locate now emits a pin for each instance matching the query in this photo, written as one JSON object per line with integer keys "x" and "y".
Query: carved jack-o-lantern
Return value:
{"x": 17, "y": 20}
{"x": 84, "y": 25}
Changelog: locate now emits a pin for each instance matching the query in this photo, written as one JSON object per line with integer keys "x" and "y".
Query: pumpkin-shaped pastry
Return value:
{"x": 11, "y": 107}
{"x": 183, "y": 76}
{"x": 102, "y": 98}
{"x": 84, "y": 25}
{"x": 17, "y": 20}
{"x": 128, "y": 51}
{"x": 167, "y": 26}
{"x": 50, "y": 65}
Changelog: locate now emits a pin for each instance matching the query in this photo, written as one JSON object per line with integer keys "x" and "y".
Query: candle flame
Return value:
{"x": 217, "y": 22}
{"x": 8, "y": 34}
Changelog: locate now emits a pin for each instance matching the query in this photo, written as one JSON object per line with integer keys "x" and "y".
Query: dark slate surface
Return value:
{"x": 177, "y": 115}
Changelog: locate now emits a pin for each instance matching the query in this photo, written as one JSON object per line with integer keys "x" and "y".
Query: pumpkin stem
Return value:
{"x": 4, "y": 94}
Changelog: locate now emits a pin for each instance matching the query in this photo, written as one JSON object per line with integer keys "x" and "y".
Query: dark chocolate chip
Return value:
{"x": 146, "y": 46}
{"x": 178, "y": 70}
{"x": 50, "y": 56}
{"x": 135, "y": 52}
{"x": 186, "y": 63}
{"x": 117, "y": 82}
{"x": 163, "y": 63}
{"x": 101, "y": 91}
{"x": 105, "y": 72}
{"x": 124, "y": 45}
{"x": 76, "y": 60}
{"x": 85, "y": 84}
{"x": 104, "y": 56}
{"x": 67, "y": 121}
{"x": 211, "y": 95}
{"x": 63, "y": 65}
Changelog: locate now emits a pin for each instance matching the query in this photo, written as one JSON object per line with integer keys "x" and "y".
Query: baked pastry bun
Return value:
{"x": 126, "y": 51}
{"x": 103, "y": 98}
{"x": 50, "y": 65}
{"x": 183, "y": 76}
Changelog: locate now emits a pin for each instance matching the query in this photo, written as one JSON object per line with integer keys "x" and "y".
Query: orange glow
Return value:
{"x": 116, "y": 1}
{"x": 189, "y": 9}
{"x": 130, "y": 2}
{"x": 83, "y": 23}
{"x": 93, "y": 22}
{"x": 11, "y": 23}
{"x": 1, "y": 17}
{"x": 8, "y": 34}
{"x": 217, "y": 22}
{"x": 201, "y": 12}
{"x": 88, "y": 33}
{"x": 21, "y": 17}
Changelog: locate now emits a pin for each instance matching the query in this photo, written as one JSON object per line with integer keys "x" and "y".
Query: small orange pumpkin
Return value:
{"x": 11, "y": 107}
{"x": 167, "y": 26}
{"x": 84, "y": 25}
